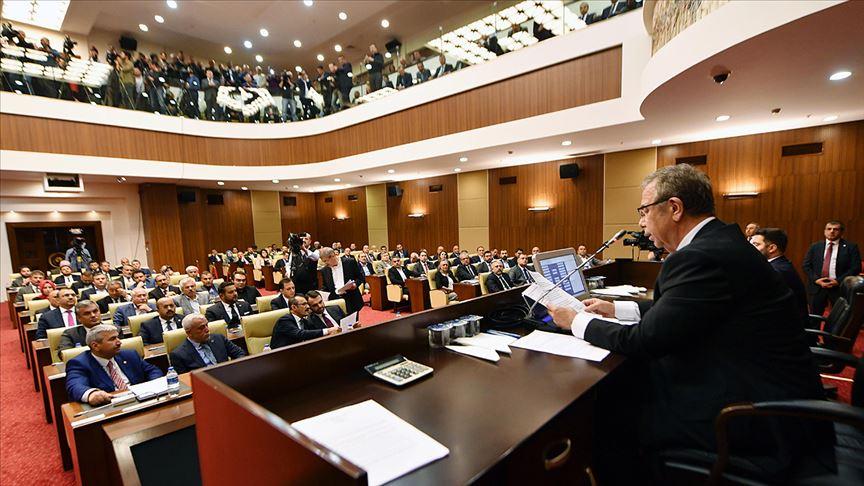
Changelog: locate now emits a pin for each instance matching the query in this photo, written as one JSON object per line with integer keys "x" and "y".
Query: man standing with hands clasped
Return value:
{"x": 722, "y": 328}
{"x": 827, "y": 263}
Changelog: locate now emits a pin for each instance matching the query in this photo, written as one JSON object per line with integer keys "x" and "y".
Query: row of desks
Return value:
{"x": 418, "y": 292}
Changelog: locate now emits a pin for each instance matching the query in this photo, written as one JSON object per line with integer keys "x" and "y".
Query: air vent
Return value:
{"x": 185, "y": 197}
{"x": 328, "y": 199}
{"x": 289, "y": 200}
{"x": 394, "y": 191}
{"x": 215, "y": 200}
{"x": 507, "y": 180}
{"x": 692, "y": 160}
{"x": 814, "y": 148}
{"x": 353, "y": 197}
{"x": 436, "y": 188}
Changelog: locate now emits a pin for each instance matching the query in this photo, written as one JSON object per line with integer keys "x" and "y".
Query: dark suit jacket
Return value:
{"x": 217, "y": 311}
{"x": 214, "y": 259}
{"x": 369, "y": 268}
{"x": 123, "y": 312}
{"x": 185, "y": 357}
{"x": 418, "y": 268}
{"x": 621, "y": 7}
{"x": 158, "y": 293}
{"x": 848, "y": 262}
{"x": 88, "y": 293}
{"x": 351, "y": 271}
{"x": 304, "y": 273}
{"x": 493, "y": 282}
{"x": 59, "y": 279}
{"x": 396, "y": 279}
{"x": 151, "y": 330}
{"x": 83, "y": 373}
{"x": 52, "y": 319}
{"x": 441, "y": 280}
{"x": 78, "y": 285}
{"x": 249, "y": 293}
{"x": 335, "y": 313}
{"x": 400, "y": 254}
{"x": 484, "y": 267}
{"x": 278, "y": 302}
{"x": 722, "y": 328}
{"x": 517, "y": 276}
{"x": 784, "y": 267}
{"x": 70, "y": 338}
{"x": 286, "y": 332}
{"x": 465, "y": 273}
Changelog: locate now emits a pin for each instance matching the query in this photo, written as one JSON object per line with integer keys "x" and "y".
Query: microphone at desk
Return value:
{"x": 612, "y": 240}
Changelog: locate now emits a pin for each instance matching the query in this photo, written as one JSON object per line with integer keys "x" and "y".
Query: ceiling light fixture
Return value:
{"x": 228, "y": 50}
{"x": 566, "y": 143}
{"x": 299, "y": 69}
{"x": 830, "y": 118}
{"x": 171, "y": 3}
{"x": 337, "y": 48}
{"x": 656, "y": 141}
{"x": 259, "y": 58}
{"x": 320, "y": 57}
{"x": 722, "y": 118}
{"x": 275, "y": 181}
{"x": 391, "y": 171}
{"x": 159, "y": 18}
{"x": 308, "y": 3}
{"x": 388, "y": 55}
{"x": 143, "y": 27}
{"x": 244, "y": 188}
{"x": 840, "y": 75}
{"x": 385, "y": 23}
{"x": 343, "y": 16}
{"x": 457, "y": 169}
{"x": 247, "y": 44}
{"x": 48, "y": 15}
{"x": 337, "y": 180}
{"x": 220, "y": 183}
{"x": 463, "y": 159}
{"x": 295, "y": 186}
{"x": 264, "y": 32}
{"x": 297, "y": 43}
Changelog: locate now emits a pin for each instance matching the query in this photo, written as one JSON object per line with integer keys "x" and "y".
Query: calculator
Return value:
{"x": 398, "y": 370}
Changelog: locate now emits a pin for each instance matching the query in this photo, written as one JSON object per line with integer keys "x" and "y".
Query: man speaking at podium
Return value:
{"x": 722, "y": 328}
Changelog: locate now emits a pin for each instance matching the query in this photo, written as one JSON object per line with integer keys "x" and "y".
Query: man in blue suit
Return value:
{"x": 138, "y": 306}
{"x": 827, "y": 263}
{"x": 93, "y": 375}
{"x": 201, "y": 348}
{"x": 62, "y": 316}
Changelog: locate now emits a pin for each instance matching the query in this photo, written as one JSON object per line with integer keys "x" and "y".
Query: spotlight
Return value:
{"x": 297, "y": 43}
{"x": 320, "y": 57}
{"x": 228, "y": 50}
{"x": 343, "y": 16}
{"x": 385, "y": 23}
{"x": 264, "y": 32}
{"x": 143, "y": 27}
{"x": 159, "y": 18}
{"x": 259, "y": 58}
{"x": 220, "y": 183}
{"x": 247, "y": 44}
{"x": 839, "y": 75}
{"x": 337, "y": 48}
{"x": 171, "y": 4}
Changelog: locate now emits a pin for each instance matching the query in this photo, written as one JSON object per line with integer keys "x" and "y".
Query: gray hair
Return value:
{"x": 691, "y": 186}
{"x": 191, "y": 319}
{"x": 191, "y": 267}
{"x": 139, "y": 290}
{"x": 184, "y": 280}
{"x": 326, "y": 252}
{"x": 94, "y": 334}
{"x": 83, "y": 305}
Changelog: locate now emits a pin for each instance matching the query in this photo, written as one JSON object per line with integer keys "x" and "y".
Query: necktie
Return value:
{"x": 115, "y": 377}
{"x": 826, "y": 264}
{"x": 209, "y": 358}
{"x": 503, "y": 282}
{"x": 70, "y": 320}
{"x": 168, "y": 325}
{"x": 328, "y": 320}
{"x": 527, "y": 277}
{"x": 236, "y": 318}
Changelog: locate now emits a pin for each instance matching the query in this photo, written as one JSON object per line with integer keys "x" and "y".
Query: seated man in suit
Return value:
{"x": 93, "y": 375}
{"x": 167, "y": 320}
{"x": 116, "y": 295}
{"x": 208, "y": 287}
{"x": 479, "y": 256}
{"x": 443, "y": 67}
{"x": 399, "y": 251}
{"x": 751, "y": 229}
{"x": 515, "y": 260}
{"x": 162, "y": 288}
{"x": 721, "y": 318}
{"x": 827, "y": 263}
{"x": 584, "y": 16}
{"x": 136, "y": 307}
{"x": 498, "y": 280}
{"x": 582, "y": 253}
{"x": 247, "y": 293}
{"x": 99, "y": 286}
{"x": 382, "y": 266}
{"x": 142, "y": 281}
{"x": 84, "y": 282}
{"x": 423, "y": 264}
{"x": 129, "y": 283}
{"x": 192, "y": 272}
{"x": 66, "y": 278}
{"x": 398, "y": 275}
{"x": 319, "y": 314}
{"x": 190, "y": 300}
{"x": 615, "y": 7}
{"x": 22, "y": 278}
{"x": 88, "y": 316}
{"x": 505, "y": 260}
{"x": 444, "y": 279}
{"x": 456, "y": 252}
{"x": 295, "y": 326}
{"x": 31, "y": 286}
{"x": 53, "y": 303}
{"x": 771, "y": 243}
{"x": 486, "y": 263}
{"x": 229, "y": 307}
{"x": 136, "y": 265}
{"x": 62, "y": 316}
{"x": 287, "y": 289}
{"x": 465, "y": 270}
{"x": 365, "y": 265}
{"x": 202, "y": 349}
{"x": 519, "y": 274}
{"x": 107, "y": 269}
{"x": 341, "y": 277}
{"x": 382, "y": 251}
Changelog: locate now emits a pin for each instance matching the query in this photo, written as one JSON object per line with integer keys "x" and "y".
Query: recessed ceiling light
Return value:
{"x": 343, "y": 16}
{"x": 320, "y": 57}
{"x": 159, "y": 18}
{"x": 347, "y": 185}
{"x": 388, "y": 55}
{"x": 656, "y": 141}
{"x": 93, "y": 212}
{"x": 264, "y": 32}
{"x": 295, "y": 186}
{"x": 143, "y": 27}
{"x": 337, "y": 48}
{"x": 275, "y": 181}
{"x": 244, "y": 188}
{"x": 247, "y": 44}
{"x": 391, "y": 171}
{"x": 830, "y": 118}
{"x": 722, "y": 118}
{"x": 220, "y": 183}
{"x": 463, "y": 159}
{"x": 298, "y": 69}
{"x": 839, "y": 75}
{"x": 566, "y": 143}
{"x": 457, "y": 169}
{"x": 385, "y": 23}
{"x": 171, "y": 3}
{"x": 337, "y": 180}
{"x": 228, "y": 50}
{"x": 308, "y": 3}
{"x": 55, "y": 212}
{"x": 259, "y": 58}
{"x": 297, "y": 43}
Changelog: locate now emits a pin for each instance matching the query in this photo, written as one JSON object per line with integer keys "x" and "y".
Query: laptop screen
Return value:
{"x": 556, "y": 267}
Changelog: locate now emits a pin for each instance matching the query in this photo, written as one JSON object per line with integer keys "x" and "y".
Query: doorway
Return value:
{"x": 43, "y": 245}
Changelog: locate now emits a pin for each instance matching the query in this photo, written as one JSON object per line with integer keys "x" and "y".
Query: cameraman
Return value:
{"x": 78, "y": 256}
{"x": 286, "y": 89}
{"x": 300, "y": 264}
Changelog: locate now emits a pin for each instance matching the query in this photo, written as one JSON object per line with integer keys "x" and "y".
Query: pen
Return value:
{"x": 502, "y": 333}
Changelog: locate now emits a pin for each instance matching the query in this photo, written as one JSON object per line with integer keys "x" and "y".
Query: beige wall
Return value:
{"x": 376, "y": 214}
{"x": 622, "y": 193}
{"x": 473, "y": 199}
{"x": 266, "y": 218}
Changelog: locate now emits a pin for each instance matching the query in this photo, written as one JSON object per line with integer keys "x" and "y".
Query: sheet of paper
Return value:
{"x": 475, "y": 351}
{"x": 373, "y": 438}
{"x": 561, "y": 344}
{"x": 159, "y": 385}
{"x": 557, "y": 297}
{"x": 489, "y": 341}
{"x": 324, "y": 295}
{"x": 347, "y": 322}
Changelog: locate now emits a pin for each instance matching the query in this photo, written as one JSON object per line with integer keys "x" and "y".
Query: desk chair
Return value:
{"x": 112, "y": 308}
{"x": 175, "y": 337}
{"x": 198, "y": 286}
{"x": 437, "y": 298}
{"x": 395, "y": 294}
{"x": 13, "y": 276}
{"x": 96, "y": 298}
{"x": 176, "y": 278}
{"x": 35, "y": 306}
{"x": 29, "y": 297}
{"x": 337, "y": 303}
{"x": 133, "y": 343}
{"x": 135, "y": 321}
{"x": 217, "y": 282}
{"x": 258, "y": 329}
{"x": 54, "y": 340}
{"x": 482, "y": 279}
{"x": 263, "y": 302}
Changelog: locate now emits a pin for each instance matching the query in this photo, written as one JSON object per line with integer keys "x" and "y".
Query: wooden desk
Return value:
{"x": 466, "y": 291}
{"x": 418, "y": 293}
{"x": 92, "y": 453}
{"x": 11, "y": 295}
{"x": 499, "y": 420}
{"x": 626, "y": 271}
{"x": 29, "y": 331}
{"x": 269, "y": 283}
{"x": 378, "y": 292}
{"x": 21, "y": 317}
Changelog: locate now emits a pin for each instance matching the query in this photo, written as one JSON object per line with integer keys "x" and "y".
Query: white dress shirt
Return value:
{"x": 165, "y": 325}
{"x": 68, "y": 280}
{"x": 104, "y": 364}
{"x": 338, "y": 275}
{"x": 832, "y": 267}
{"x": 628, "y": 310}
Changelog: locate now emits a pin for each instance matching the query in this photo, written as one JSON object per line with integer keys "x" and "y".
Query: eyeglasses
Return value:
{"x": 641, "y": 209}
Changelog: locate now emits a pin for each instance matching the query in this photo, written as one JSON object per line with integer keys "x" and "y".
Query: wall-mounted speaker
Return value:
{"x": 568, "y": 171}
{"x": 185, "y": 197}
{"x": 393, "y": 45}
{"x": 394, "y": 191}
{"x": 289, "y": 200}
{"x": 215, "y": 199}
{"x": 128, "y": 43}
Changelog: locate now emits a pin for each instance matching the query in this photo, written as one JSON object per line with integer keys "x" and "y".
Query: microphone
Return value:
{"x": 585, "y": 261}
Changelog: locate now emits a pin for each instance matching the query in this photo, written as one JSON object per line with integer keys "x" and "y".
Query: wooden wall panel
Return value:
{"x": 160, "y": 216}
{"x": 585, "y": 80}
{"x": 798, "y": 194}
{"x": 576, "y": 216}
{"x": 302, "y": 217}
{"x": 440, "y": 226}
{"x": 352, "y": 229}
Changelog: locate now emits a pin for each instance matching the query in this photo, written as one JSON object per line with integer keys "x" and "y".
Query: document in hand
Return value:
{"x": 347, "y": 322}
{"x": 560, "y": 344}
{"x": 373, "y": 438}
{"x": 557, "y": 296}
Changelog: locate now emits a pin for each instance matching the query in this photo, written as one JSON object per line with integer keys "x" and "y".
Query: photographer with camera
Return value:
{"x": 78, "y": 256}
{"x": 644, "y": 243}
{"x": 300, "y": 264}
{"x": 286, "y": 89}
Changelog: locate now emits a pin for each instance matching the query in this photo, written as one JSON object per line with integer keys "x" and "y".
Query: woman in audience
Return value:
{"x": 444, "y": 279}
{"x": 45, "y": 289}
{"x": 260, "y": 261}
{"x": 166, "y": 270}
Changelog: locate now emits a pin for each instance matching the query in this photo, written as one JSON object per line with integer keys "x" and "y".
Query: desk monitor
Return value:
{"x": 554, "y": 265}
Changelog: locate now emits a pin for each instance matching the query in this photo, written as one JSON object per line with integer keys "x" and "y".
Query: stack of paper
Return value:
{"x": 476, "y": 351}
{"x": 620, "y": 291}
{"x": 148, "y": 388}
{"x": 547, "y": 294}
{"x": 489, "y": 341}
{"x": 373, "y": 438}
{"x": 562, "y": 345}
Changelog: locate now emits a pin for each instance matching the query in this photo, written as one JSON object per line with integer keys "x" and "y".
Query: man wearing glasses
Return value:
{"x": 723, "y": 328}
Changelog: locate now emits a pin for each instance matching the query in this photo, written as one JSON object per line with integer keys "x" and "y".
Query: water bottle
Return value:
{"x": 266, "y": 348}
{"x": 173, "y": 381}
